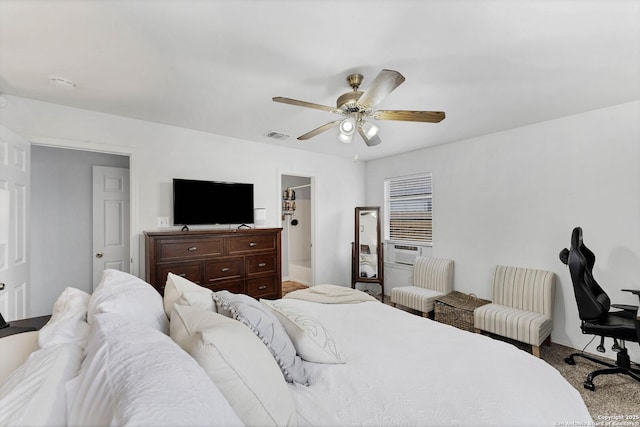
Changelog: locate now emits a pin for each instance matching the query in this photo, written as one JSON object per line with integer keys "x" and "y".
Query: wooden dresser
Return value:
{"x": 240, "y": 261}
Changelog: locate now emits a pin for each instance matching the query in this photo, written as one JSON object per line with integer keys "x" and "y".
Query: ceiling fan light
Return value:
{"x": 347, "y": 129}
{"x": 348, "y": 126}
{"x": 345, "y": 138}
{"x": 369, "y": 129}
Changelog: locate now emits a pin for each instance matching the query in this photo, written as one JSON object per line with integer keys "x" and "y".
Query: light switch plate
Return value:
{"x": 163, "y": 221}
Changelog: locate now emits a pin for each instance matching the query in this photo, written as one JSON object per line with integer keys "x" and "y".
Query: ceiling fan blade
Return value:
{"x": 409, "y": 116}
{"x": 371, "y": 142}
{"x": 384, "y": 83}
{"x": 303, "y": 104}
{"x": 318, "y": 130}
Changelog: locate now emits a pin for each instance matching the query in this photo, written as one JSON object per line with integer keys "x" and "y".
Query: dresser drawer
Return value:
{"x": 189, "y": 270}
{"x": 233, "y": 286}
{"x": 256, "y": 265}
{"x": 223, "y": 269}
{"x": 264, "y": 286}
{"x": 247, "y": 244}
{"x": 177, "y": 249}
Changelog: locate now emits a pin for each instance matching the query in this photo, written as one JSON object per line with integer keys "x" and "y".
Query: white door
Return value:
{"x": 15, "y": 182}
{"x": 110, "y": 220}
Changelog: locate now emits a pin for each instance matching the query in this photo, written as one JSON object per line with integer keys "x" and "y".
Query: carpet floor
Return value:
{"x": 615, "y": 395}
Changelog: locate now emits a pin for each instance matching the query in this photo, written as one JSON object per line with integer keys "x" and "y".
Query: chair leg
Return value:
{"x": 588, "y": 384}
{"x": 622, "y": 366}
{"x": 535, "y": 350}
{"x": 429, "y": 315}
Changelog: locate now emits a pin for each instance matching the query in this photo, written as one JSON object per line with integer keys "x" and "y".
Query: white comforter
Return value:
{"x": 405, "y": 370}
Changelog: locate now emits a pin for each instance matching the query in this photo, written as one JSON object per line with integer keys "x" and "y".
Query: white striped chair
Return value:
{"x": 430, "y": 278}
{"x": 522, "y": 307}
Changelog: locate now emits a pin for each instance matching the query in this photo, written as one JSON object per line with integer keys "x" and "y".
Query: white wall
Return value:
{"x": 61, "y": 221}
{"x": 159, "y": 153}
{"x": 514, "y": 197}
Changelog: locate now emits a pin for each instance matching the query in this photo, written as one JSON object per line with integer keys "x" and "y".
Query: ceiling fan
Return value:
{"x": 358, "y": 105}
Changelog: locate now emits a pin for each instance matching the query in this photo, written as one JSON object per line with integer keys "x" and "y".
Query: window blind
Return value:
{"x": 409, "y": 207}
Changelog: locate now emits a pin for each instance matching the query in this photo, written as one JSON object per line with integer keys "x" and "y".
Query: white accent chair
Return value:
{"x": 522, "y": 307}
{"x": 430, "y": 278}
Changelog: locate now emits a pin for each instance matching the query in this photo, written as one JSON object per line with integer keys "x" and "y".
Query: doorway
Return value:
{"x": 297, "y": 229}
{"x": 62, "y": 220}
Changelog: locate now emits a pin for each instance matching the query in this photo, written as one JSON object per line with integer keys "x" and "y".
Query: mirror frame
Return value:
{"x": 355, "y": 251}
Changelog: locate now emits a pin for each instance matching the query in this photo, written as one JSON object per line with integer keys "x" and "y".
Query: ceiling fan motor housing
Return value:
{"x": 347, "y": 102}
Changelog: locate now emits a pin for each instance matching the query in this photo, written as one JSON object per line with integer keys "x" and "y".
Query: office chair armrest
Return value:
{"x": 625, "y": 307}
{"x": 633, "y": 291}
{"x": 628, "y": 311}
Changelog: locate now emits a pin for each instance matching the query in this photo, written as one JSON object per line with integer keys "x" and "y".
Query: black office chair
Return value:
{"x": 593, "y": 308}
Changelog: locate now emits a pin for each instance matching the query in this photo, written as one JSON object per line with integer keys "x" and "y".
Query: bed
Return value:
{"x": 406, "y": 370}
{"x": 374, "y": 365}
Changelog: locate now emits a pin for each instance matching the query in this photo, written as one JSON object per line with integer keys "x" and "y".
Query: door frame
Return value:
{"x": 313, "y": 179}
{"x": 134, "y": 244}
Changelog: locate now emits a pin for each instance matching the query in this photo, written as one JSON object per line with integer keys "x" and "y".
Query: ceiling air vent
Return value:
{"x": 61, "y": 82}
{"x": 276, "y": 135}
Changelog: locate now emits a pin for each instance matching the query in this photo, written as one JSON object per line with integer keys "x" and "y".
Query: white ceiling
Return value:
{"x": 215, "y": 65}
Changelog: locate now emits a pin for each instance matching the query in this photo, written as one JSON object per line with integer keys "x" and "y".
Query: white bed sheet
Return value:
{"x": 405, "y": 370}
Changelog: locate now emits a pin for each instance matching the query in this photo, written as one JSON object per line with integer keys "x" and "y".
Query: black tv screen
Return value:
{"x": 211, "y": 202}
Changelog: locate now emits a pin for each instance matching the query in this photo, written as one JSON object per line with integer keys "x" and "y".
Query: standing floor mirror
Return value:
{"x": 367, "y": 262}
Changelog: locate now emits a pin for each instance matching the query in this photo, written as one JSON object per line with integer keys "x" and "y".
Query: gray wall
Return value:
{"x": 61, "y": 221}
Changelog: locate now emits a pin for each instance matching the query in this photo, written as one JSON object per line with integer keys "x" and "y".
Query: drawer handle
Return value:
{"x": 192, "y": 248}
{"x": 252, "y": 244}
{"x": 262, "y": 288}
{"x": 225, "y": 269}
{"x": 262, "y": 264}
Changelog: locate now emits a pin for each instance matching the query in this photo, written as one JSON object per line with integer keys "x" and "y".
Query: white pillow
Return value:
{"x": 184, "y": 292}
{"x": 34, "y": 393}
{"x": 311, "y": 340}
{"x": 130, "y": 297}
{"x": 68, "y": 323}
{"x": 267, "y": 327}
{"x": 136, "y": 375}
{"x": 238, "y": 363}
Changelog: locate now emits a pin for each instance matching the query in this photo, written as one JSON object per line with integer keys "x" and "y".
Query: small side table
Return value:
{"x": 24, "y": 325}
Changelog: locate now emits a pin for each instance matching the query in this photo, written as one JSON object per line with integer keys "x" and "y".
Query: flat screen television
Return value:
{"x": 198, "y": 202}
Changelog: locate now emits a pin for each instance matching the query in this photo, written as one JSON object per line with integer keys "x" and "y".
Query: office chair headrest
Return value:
{"x": 576, "y": 238}
{"x": 576, "y": 243}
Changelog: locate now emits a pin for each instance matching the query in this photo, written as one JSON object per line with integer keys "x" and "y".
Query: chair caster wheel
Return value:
{"x": 589, "y": 385}
{"x": 569, "y": 361}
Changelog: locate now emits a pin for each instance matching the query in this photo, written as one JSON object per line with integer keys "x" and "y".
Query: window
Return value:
{"x": 408, "y": 208}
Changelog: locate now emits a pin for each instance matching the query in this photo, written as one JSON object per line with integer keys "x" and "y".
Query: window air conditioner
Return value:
{"x": 404, "y": 254}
